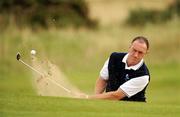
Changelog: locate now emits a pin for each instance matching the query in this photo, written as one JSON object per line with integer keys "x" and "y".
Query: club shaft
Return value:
{"x": 31, "y": 67}
{"x": 59, "y": 85}
{"x": 46, "y": 77}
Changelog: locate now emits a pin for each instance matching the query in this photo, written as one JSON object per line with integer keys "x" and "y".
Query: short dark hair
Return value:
{"x": 141, "y": 38}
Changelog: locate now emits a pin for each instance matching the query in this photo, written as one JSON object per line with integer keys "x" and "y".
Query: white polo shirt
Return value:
{"x": 132, "y": 86}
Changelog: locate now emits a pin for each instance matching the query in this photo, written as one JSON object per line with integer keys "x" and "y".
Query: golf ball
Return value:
{"x": 33, "y": 52}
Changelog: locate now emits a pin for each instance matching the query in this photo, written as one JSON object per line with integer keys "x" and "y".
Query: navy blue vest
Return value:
{"x": 119, "y": 75}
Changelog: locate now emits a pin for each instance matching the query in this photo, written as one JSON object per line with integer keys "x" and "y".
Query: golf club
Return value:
{"x": 18, "y": 57}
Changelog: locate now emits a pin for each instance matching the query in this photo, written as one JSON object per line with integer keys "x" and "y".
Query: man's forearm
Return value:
{"x": 100, "y": 86}
{"x": 113, "y": 95}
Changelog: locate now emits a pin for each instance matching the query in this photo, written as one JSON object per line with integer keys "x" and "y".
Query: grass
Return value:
{"x": 28, "y": 105}
{"x": 80, "y": 55}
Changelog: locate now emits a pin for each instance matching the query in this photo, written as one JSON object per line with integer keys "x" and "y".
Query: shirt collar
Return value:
{"x": 135, "y": 67}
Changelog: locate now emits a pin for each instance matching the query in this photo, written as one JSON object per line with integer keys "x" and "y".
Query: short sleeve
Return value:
{"x": 134, "y": 85}
{"x": 104, "y": 73}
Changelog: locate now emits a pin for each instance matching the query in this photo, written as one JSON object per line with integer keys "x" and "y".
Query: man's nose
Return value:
{"x": 136, "y": 54}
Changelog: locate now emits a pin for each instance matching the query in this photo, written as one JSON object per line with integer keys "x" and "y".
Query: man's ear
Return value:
{"x": 129, "y": 47}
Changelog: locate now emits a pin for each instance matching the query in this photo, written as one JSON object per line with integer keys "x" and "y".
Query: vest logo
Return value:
{"x": 127, "y": 77}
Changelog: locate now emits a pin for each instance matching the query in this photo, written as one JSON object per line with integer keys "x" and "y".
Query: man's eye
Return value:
{"x": 134, "y": 50}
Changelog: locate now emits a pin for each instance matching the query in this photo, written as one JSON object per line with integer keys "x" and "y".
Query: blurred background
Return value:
{"x": 79, "y": 35}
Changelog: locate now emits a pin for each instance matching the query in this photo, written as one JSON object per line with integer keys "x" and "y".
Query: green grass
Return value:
{"x": 80, "y": 55}
{"x": 28, "y": 105}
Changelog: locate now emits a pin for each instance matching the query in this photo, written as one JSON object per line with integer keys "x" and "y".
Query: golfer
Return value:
{"x": 124, "y": 76}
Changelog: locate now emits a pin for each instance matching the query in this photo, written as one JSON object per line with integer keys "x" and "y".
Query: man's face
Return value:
{"x": 136, "y": 52}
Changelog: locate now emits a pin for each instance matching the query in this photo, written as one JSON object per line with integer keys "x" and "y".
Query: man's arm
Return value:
{"x": 100, "y": 85}
{"x": 99, "y": 89}
{"x": 113, "y": 95}
{"x": 128, "y": 89}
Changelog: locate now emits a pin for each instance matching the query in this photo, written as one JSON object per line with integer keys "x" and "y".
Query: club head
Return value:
{"x": 18, "y": 56}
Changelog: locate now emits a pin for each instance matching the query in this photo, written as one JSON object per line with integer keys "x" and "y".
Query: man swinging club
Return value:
{"x": 124, "y": 76}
